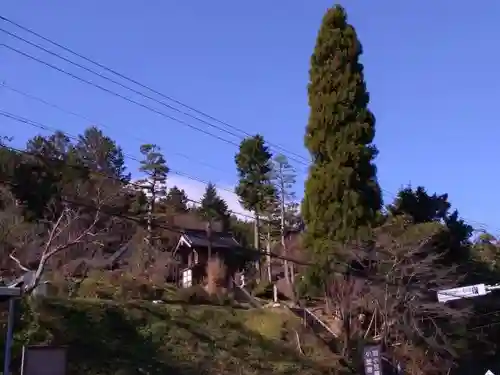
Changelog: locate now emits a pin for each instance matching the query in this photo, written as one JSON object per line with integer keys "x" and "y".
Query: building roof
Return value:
{"x": 220, "y": 240}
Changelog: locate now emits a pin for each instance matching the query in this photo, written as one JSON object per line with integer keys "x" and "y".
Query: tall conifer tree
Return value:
{"x": 342, "y": 195}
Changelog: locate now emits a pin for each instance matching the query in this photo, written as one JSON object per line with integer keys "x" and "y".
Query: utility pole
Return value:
{"x": 282, "y": 226}
{"x": 9, "y": 293}
{"x": 209, "y": 238}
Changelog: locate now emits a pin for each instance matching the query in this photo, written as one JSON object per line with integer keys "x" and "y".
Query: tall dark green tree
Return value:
{"x": 342, "y": 195}
{"x": 214, "y": 208}
{"x": 253, "y": 163}
{"x": 101, "y": 153}
{"x": 177, "y": 200}
{"x": 422, "y": 207}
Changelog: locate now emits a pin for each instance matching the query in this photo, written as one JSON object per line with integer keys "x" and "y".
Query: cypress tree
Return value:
{"x": 342, "y": 195}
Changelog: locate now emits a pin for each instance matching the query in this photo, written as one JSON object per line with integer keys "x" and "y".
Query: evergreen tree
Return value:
{"x": 342, "y": 195}
{"x": 56, "y": 146}
{"x": 253, "y": 163}
{"x": 177, "y": 200}
{"x": 100, "y": 153}
{"x": 284, "y": 180}
{"x": 155, "y": 168}
{"x": 420, "y": 207}
{"x": 213, "y": 207}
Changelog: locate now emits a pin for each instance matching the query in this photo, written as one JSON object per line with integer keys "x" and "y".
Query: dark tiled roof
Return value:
{"x": 220, "y": 240}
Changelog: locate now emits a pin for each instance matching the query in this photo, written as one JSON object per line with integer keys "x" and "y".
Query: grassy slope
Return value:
{"x": 106, "y": 337}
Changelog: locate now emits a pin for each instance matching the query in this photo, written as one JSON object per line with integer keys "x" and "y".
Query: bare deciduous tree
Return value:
{"x": 68, "y": 231}
{"x": 392, "y": 301}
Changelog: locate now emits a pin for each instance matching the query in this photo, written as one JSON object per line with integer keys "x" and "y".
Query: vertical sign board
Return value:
{"x": 372, "y": 360}
{"x": 43, "y": 360}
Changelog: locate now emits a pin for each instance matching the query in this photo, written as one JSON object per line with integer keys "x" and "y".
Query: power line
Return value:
{"x": 134, "y": 101}
{"x": 136, "y": 91}
{"x": 121, "y": 75}
{"x": 93, "y": 122}
{"x": 149, "y": 108}
{"x": 295, "y": 157}
{"x": 39, "y": 125}
{"x": 130, "y": 184}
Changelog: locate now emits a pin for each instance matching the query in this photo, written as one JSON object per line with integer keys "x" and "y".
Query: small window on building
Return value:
{"x": 187, "y": 278}
{"x": 195, "y": 257}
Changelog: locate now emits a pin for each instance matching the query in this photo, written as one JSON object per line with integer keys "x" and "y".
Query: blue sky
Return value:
{"x": 430, "y": 70}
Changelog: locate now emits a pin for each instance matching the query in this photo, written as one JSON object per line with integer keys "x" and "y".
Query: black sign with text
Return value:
{"x": 372, "y": 360}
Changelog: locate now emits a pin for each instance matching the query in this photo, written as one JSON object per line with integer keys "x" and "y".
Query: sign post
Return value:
{"x": 372, "y": 360}
{"x": 470, "y": 291}
{"x": 9, "y": 293}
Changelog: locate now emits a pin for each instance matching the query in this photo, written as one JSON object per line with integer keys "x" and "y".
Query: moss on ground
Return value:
{"x": 106, "y": 337}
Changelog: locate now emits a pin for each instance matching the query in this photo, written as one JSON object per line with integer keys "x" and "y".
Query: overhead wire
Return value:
{"x": 132, "y": 100}
{"x": 298, "y": 158}
{"x": 96, "y": 123}
{"x": 144, "y": 86}
{"x": 126, "y": 98}
{"x": 127, "y": 78}
{"x": 45, "y": 127}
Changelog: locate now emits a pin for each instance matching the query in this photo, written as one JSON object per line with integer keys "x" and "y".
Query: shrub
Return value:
{"x": 194, "y": 294}
{"x": 263, "y": 290}
{"x": 118, "y": 286}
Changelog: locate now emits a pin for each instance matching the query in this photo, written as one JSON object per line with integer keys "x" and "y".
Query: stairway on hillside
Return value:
{"x": 324, "y": 326}
{"x": 331, "y": 320}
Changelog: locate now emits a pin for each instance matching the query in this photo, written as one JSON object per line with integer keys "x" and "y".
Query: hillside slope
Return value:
{"x": 106, "y": 337}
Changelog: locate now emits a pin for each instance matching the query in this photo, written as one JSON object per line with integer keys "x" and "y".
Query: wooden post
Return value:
{"x": 209, "y": 238}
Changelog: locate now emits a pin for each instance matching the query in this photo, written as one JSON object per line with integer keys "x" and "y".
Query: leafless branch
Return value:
{"x": 393, "y": 301}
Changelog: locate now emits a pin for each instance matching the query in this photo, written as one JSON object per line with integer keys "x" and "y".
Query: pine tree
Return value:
{"x": 100, "y": 153}
{"x": 177, "y": 200}
{"x": 213, "y": 207}
{"x": 342, "y": 195}
{"x": 284, "y": 180}
{"x": 253, "y": 163}
{"x": 155, "y": 168}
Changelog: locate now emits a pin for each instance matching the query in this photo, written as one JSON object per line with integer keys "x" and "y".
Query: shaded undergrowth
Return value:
{"x": 106, "y": 337}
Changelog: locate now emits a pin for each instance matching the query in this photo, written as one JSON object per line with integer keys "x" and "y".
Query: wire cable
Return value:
{"x": 41, "y": 126}
{"x": 295, "y": 157}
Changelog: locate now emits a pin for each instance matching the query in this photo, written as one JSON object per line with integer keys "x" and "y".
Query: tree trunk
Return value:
{"x": 257, "y": 242}
{"x": 151, "y": 204}
{"x": 268, "y": 250}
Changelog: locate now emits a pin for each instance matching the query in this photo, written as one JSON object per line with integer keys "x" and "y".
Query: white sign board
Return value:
{"x": 462, "y": 292}
{"x": 489, "y": 373}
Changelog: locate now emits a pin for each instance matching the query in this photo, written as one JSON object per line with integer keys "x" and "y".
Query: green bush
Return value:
{"x": 194, "y": 294}
{"x": 263, "y": 290}
{"x": 119, "y": 287}
{"x": 197, "y": 295}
